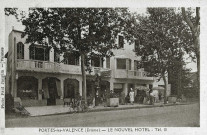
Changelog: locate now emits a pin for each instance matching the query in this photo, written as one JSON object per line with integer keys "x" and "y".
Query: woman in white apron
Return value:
{"x": 131, "y": 95}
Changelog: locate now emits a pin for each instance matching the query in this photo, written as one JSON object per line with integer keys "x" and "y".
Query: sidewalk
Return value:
{"x": 60, "y": 109}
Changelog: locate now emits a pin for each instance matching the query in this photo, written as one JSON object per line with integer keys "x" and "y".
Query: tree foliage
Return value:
{"x": 18, "y": 14}
{"x": 162, "y": 39}
{"x": 83, "y": 31}
{"x": 193, "y": 23}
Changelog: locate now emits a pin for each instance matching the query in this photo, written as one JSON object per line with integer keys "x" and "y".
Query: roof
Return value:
{"x": 18, "y": 31}
{"x": 6, "y": 55}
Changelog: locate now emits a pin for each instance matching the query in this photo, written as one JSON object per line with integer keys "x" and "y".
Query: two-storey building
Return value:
{"x": 38, "y": 75}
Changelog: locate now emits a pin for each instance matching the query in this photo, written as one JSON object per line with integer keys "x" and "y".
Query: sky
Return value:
{"x": 10, "y": 21}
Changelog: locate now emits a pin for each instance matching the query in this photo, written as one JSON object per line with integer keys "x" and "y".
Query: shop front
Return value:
{"x": 27, "y": 91}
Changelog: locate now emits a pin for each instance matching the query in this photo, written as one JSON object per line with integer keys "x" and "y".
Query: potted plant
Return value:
{"x": 172, "y": 99}
{"x": 113, "y": 100}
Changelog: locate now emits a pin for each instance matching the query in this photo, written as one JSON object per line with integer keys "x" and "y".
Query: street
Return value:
{"x": 168, "y": 116}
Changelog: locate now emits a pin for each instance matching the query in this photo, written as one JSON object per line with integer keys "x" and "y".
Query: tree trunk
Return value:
{"x": 197, "y": 42}
{"x": 179, "y": 84}
{"x": 165, "y": 90}
{"x": 84, "y": 94}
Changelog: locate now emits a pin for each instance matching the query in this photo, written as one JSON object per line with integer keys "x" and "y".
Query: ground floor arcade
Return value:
{"x": 40, "y": 89}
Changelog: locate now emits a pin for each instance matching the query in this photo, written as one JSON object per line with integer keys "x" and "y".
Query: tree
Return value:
{"x": 83, "y": 31}
{"x": 161, "y": 45}
{"x": 178, "y": 77}
{"x": 18, "y": 14}
{"x": 194, "y": 25}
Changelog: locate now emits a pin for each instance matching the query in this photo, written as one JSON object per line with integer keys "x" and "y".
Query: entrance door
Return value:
{"x": 52, "y": 92}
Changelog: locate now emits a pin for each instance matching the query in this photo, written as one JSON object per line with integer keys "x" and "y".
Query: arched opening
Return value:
{"x": 71, "y": 88}
{"x": 51, "y": 90}
{"x": 27, "y": 87}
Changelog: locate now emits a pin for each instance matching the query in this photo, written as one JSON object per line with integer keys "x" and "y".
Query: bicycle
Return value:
{"x": 79, "y": 106}
{"x": 84, "y": 107}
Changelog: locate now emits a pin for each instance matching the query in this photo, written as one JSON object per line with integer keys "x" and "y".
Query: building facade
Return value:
{"x": 39, "y": 76}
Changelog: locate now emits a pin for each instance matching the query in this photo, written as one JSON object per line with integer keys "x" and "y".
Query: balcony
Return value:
{"x": 53, "y": 67}
{"x": 131, "y": 74}
{"x": 103, "y": 72}
{"x": 35, "y": 65}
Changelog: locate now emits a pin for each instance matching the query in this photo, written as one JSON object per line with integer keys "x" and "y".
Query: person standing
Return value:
{"x": 131, "y": 95}
{"x": 105, "y": 98}
{"x": 151, "y": 96}
{"x": 122, "y": 98}
{"x": 160, "y": 96}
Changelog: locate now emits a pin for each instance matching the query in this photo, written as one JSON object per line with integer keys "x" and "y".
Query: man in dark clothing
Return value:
{"x": 151, "y": 97}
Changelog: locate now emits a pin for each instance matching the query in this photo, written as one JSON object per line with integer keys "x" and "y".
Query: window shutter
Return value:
{"x": 121, "y": 41}
{"x": 107, "y": 62}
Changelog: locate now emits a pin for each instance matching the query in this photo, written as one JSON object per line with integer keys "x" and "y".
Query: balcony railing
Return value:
{"x": 45, "y": 66}
{"x": 36, "y": 65}
{"x": 131, "y": 74}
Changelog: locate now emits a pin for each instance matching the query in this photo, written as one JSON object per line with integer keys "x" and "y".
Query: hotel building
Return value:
{"x": 39, "y": 76}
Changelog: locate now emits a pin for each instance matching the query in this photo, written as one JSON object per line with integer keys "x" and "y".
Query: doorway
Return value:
{"x": 52, "y": 89}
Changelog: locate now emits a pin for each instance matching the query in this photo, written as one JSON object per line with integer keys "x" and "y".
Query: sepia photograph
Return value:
{"x": 70, "y": 67}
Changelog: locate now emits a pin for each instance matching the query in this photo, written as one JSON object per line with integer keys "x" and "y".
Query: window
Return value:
{"x": 71, "y": 59}
{"x": 136, "y": 45}
{"x": 20, "y": 50}
{"x": 121, "y": 41}
{"x": 121, "y": 63}
{"x": 39, "y": 52}
{"x": 97, "y": 61}
{"x": 27, "y": 87}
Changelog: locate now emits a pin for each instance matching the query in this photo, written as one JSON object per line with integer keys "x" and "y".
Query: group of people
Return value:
{"x": 141, "y": 97}
{"x": 148, "y": 96}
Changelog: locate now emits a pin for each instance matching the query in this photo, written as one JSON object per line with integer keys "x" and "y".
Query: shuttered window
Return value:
{"x": 20, "y": 50}
{"x": 121, "y": 63}
{"x": 121, "y": 41}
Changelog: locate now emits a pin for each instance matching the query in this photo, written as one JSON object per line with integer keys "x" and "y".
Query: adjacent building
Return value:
{"x": 38, "y": 75}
